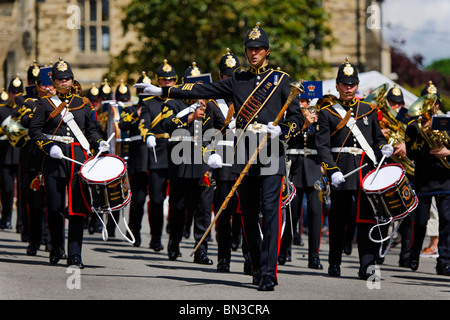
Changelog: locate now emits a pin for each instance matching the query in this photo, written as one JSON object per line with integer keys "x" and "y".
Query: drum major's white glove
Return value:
{"x": 149, "y": 88}
{"x": 151, "y": 141}
{"x": 274, "y": 131}
{"x": 103, "y": 146}
{"x": 56, "y": 152}
{"x": 215, "y": 161}
{"x": 387, "y": 150}
{"x": 337, "y": 178}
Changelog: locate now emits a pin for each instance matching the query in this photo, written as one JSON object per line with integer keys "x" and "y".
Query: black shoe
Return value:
{"x": 156, "y": 245}
{"x": 173, "y": 251}
{"x": 202, "y": 258}
{"x": 266, "y": 284}
{"x": 256, "y": 278}
{"x": 443, "y": 268}
{"x": 55, "y": 256}
{"x": 348, "y": 248}
{"x": 414, "y": 264}
{"x": 281, "y": 259}
{"x": 223, "y": 265}
{"x": 363, "y": 274}
{"x": 314, "y": 263}
{"x": 75, "y": 260}
{"x": 334, "y": 270}
{"x": 32, "y": 249}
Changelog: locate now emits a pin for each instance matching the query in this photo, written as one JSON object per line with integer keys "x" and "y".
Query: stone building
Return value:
{"x": 88, "y": 32}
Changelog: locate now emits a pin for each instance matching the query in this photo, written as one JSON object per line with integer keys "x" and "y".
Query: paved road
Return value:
{"x": 116, "y": 270}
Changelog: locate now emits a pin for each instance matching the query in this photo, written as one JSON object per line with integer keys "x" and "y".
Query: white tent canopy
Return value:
{"x": 368, "y": 82}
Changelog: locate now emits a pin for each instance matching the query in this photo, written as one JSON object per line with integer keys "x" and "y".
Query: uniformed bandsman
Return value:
{"x": 57, "y": 135}
{"x": 190, "y": 178}
{"x": 258, "y": 95}
{"x": 32, "y": 180}
{"x": 349, "y": 135}
{"x": 155, "y": 141}
{"x": 9, "y": 155}
{"x": 303, "y": 173}
{"x": 431, "y": 177}
{"x": 223, "y": 120}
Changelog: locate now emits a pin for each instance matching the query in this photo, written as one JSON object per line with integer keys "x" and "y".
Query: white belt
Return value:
{"x": 352, "y": 150}
{"x": 304, "y": 151}
{"x": 226, "y": 143}
{"x": 257, "y": 127}
{"x": 181, "y": 138}
{"x": 64, "y": 139}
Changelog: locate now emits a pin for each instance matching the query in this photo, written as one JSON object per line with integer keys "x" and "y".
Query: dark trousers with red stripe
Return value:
{"x": 262, "y": 194}
{"x": 343, "y": 204}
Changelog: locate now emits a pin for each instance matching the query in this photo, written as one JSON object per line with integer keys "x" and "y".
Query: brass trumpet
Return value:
{"x": 423, "y": 108}
{"x": 397, "y": 129}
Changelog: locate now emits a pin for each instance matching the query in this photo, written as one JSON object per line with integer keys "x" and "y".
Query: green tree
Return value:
{"x": 183, "y": 31}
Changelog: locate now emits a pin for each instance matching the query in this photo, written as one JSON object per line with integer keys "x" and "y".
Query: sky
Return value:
{"x": 422, "y": 25}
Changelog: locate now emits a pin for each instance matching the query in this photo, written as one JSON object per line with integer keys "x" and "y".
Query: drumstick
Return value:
{"x": 70, "y": 159}
{"x": 379, "y": 165}
{"x": 95, "y": 159}
{"x": 154, "y": 154}
{"x": 354, "y": 171}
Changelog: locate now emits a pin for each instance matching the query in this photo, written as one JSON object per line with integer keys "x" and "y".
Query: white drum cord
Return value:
{"x": 109, "y": 214}
{"x": 389, "y": 237}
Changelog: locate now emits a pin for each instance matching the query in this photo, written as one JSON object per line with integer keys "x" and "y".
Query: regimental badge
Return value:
{"x": 166, "y": 66}
{"x": 396, "y": 91}
{"x": 106, "y": 88}
{"x": 366, "y": 120}
{"x": 35, "y": 70}
{"x": 62, "y": 66}
{"x": 255, "y": 34}
{"x": 348, "y": 70}
{"x": 94, "y": 91}
{"x": 17, "y": 82}
{"x": 230, "y": 62}
{"x": 4, "y": 96}
{"x": 431, "y": 88}
{"x": 195, "y": 71}
{"x": 123, "y": 88}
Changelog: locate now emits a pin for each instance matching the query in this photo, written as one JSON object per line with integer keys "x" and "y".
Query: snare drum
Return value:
{"x": 105, "y": 183}
{"x": 390, "y": 193}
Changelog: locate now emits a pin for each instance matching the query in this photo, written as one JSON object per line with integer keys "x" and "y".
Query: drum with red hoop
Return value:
{"x": 390, "y": 192}
{"x": 105, "y": 183}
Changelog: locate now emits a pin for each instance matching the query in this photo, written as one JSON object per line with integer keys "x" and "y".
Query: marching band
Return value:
{"x": 229, "y": 153}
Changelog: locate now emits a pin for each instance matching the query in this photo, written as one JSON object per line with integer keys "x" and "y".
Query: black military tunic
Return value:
{"x": 339, "y": 150}
{"x": 136, "y": 167}
{"x": 304, "y": 172}
{"x": 157, "y": 164}
{"x": 188, "y": 172}
{"x": 48, "y": 129}
{"x": 229, "y": 223}
{"x": 261, "y": 190}
{"x": 431, "y": 179}
{"x": 9, "y": 164}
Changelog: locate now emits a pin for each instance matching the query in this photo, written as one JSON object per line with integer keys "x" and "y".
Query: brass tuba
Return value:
{"x": 397, "y": 129}
{"x": 423, "y": 108}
